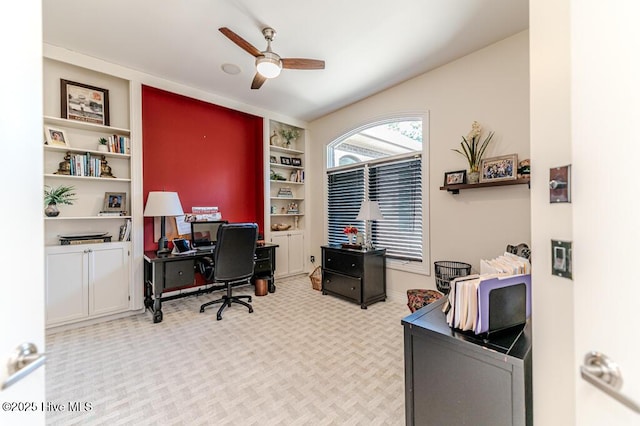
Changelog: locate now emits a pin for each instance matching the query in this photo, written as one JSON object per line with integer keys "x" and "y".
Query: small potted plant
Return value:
{"x": 289, "y": 135}
{"x": 352, "y": 233}
{"x": 102, "y": 145}
{"x": 54, "y": 196}
{"x": 473, "y": 150}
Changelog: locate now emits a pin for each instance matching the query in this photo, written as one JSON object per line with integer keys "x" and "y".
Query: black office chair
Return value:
{"x": 234, "y": 260}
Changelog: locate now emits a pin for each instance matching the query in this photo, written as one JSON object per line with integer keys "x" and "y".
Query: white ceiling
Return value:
{"x": 368, "y": 45}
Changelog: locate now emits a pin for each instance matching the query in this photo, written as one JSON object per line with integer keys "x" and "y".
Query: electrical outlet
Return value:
{"x": 312, "y": 259}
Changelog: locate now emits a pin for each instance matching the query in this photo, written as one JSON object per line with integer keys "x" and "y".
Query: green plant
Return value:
{"x": 59, "y": 195}
{"x": 102, "y": 141}
{"x": 289, "y": 134}
{"x": 473, "y": 148}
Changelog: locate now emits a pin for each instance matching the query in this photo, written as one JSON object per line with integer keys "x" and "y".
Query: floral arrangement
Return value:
{"x": 350, "y": 230}
{"x": 473, "y": 148}
{"x": 289, "y": 134}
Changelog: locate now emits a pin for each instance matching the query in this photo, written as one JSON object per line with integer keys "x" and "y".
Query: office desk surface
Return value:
{"x": 169, "y": 273}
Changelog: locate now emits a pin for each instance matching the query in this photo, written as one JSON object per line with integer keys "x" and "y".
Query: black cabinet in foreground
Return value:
{"x": 458, "y": 378}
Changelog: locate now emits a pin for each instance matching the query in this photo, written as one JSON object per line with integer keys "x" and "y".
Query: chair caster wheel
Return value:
{"x": 249, "y": 299}
{"x": 250, "y": 311}
{"x": 201, "y": 310}
{"x": 219, "y": 317}
{"x": 157, "y": 317}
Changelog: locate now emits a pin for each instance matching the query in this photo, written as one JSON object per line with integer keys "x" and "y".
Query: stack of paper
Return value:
{"x": 507, "y": 264}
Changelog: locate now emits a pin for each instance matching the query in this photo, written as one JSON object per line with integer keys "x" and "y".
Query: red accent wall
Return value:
{"x": 208, "y": 154}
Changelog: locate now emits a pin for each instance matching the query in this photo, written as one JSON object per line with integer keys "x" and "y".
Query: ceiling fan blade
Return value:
{"x": 258, "y": 81}
{"x": 302, "y": 64}
{"x": 244, "y": 44}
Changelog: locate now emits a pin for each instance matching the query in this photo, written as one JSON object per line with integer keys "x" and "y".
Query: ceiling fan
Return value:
{"x": 268, "y": 63}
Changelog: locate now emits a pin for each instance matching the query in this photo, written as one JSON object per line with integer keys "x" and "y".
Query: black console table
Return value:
{"x": 455, "y": 378}
{"x": 355, "y": 275}
{"x": 163, "y": 274}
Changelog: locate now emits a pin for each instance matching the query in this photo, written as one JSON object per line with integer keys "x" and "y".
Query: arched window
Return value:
{"x": 381, "y": 161}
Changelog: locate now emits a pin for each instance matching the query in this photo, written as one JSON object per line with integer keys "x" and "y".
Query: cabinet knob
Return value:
{"x": 353, "y": 265}
{"x": 180, "y": 273}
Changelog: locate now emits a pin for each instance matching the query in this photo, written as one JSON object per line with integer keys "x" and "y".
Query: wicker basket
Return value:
{"x": 446, "y": 271}
{"x": 316, "y": 278}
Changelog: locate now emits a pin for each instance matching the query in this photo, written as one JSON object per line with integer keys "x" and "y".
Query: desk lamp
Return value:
{"x": 162, "y": 204}
{"x": 369, "y": 210}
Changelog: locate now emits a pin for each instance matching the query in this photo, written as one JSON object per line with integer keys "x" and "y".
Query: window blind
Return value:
{"x": 397, "y": 186}
{"x": 346, "y": 191}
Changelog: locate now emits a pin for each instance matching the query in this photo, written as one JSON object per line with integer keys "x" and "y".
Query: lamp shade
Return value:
{"x": 369, "y": 210}
{"x": 160, "y": 203}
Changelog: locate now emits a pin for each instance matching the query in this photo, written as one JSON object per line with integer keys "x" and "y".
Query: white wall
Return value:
{"x": 490, "y": 86}
{"x": 553, "y": 364}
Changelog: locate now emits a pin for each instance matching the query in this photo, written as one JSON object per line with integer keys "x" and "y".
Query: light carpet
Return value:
{"x": 300, "y": 358}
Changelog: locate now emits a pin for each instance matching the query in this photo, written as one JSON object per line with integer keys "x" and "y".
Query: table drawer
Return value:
{"x": 262, "y": 266}
{"x": 179, "y": 273}
{"x": 344, "y": 263}
{"x": 263, "y": 253}
{"x": 344, "y": 285}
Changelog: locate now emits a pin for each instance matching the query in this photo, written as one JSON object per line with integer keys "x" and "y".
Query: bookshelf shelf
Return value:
{"x": 87, "y": 217}
{"x": 51, "y": 175}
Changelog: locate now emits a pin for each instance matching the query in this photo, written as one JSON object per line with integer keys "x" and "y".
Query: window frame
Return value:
{"x": 423, "y": 267}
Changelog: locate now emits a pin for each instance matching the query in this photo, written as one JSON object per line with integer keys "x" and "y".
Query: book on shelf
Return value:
{"x": 120, "y": 213}
{"x": 88, "y": 240}
{"x": 285, "y": 192}
{"x": 125, "y": 231}
{"x": 119, "y": 144}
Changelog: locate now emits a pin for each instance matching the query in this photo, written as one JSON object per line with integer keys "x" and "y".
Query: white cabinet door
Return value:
{"x": 296, "y": 253}
{"x": 66, "y": 284}
{"x": 108, "y": 279}
{"x": 282, "y": 254}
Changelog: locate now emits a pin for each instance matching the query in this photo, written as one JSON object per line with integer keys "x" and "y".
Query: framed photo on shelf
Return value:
{"x": 296, "y": 161}
{"x": 499, "y": 168}
{"x": 455, "y": 178}
{"x": 55, "y": 137}
{"x": 84, "y": 103}
{"x": 114, "y": 202}
{"x": 285, "y": 160}
{"x": 273, "y": 160}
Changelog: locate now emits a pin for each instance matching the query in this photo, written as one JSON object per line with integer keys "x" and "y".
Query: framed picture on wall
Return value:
{"x": 296, "y": 162}
{"x": 84, "y": 103}
{"x": 285, "y": 160}
{"x": 499, "y": 168}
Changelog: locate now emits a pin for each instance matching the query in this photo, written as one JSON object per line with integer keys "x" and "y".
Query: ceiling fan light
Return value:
{"x": 269, "y": 66}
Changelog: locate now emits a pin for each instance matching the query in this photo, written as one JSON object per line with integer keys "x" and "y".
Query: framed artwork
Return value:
{"x": 455, "y": 178}
{"x": 296, "y": 162}
{"x": 55, "y": 137}
{"x": 499, "y": 168}
{"x": 285, "y": 160}
{"x": 84, "y": 103}
{"x": 272, "y": 159}
{"x": 114, "y": 201}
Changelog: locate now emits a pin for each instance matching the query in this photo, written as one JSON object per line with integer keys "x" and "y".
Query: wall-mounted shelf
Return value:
{"x": 455, "y": 189}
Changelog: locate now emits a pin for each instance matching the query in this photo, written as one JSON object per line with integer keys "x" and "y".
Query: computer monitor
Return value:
{"x": 204, "y": 234}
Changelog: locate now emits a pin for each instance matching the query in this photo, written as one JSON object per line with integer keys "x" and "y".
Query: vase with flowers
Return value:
{"x": 289, "y": 135}
{"x": 473, "y": 148}
{"x": 352, "y": 233}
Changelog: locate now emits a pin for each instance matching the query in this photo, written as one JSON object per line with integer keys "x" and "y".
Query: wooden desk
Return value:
{"x": 163, "y": 274}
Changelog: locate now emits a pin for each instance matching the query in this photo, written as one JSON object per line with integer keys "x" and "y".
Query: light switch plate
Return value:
{"x": 561, "y": 262}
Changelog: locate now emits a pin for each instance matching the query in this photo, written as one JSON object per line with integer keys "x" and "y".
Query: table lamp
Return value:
{"x": 162, "y": 204}
{"x": 369, "y": 210}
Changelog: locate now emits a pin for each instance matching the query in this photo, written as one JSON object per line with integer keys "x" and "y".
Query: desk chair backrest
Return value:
{"x": 235, "y": 251}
